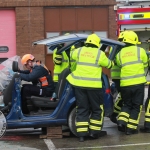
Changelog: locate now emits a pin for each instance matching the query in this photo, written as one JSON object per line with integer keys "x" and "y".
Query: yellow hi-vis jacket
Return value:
{"x": 89, "y": 62}
{"x": 132, "y": 61}
{"x": 59, "y": 68}
{"x": 115, "y": 70}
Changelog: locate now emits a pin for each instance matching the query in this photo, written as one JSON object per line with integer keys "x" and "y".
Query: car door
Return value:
{"x": 73, "y": 39}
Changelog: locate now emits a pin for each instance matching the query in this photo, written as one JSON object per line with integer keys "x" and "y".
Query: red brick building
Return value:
{"x": 37, "y": 19}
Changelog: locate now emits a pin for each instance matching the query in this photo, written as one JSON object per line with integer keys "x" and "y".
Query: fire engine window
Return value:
{"x": 4, "y": 49}
{"x": 138, "y": 16}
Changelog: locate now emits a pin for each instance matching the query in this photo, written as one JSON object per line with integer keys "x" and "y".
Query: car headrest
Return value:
{"x": 15, "y": 66}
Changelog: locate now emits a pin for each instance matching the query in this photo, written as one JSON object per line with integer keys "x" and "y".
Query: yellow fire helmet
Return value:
{"x": 121, "y": 36}
{"x": 93, "y": 39}
{"x": 130, "y": 37}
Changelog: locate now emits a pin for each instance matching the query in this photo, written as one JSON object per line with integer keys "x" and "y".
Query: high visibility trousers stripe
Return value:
{"x": 94, "y": 127}
{"x": 132, "y": 126}
{"x": 134, "y": 123}
{"x": 147, "y": 119}
{"x": 116, "y": 105}
{"x": 147, "y": 112}
{"x": 82, "y": 129}
{"x": 123, "y": 119}
{"x": 140, "y": 113}
{"x": 124, "y": 114}
{"x": 95, "y": 121}
{"x": 82, "y": 123}
{"x": 97, "y": 124}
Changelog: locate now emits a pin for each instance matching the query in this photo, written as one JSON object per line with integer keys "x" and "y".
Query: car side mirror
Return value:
{"x": 15, "y": 66}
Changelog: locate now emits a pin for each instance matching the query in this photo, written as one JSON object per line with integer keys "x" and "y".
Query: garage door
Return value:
{"x": 7, "y": 34}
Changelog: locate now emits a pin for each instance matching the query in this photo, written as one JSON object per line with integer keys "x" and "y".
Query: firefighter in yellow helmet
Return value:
{"x": 61, "y": 62}
{"x": 86, "y": 80}
{"x": 36, "y": 74}
{"x": 132, "y": 60}
{"x": 146, "y": 128}
{"x": 115, "y": 76}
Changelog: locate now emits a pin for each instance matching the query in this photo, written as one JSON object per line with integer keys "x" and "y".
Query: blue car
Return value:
{"x": 43, "y": 112}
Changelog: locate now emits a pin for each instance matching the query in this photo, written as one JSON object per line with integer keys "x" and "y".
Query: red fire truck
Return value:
{"x": 134, "y": 15}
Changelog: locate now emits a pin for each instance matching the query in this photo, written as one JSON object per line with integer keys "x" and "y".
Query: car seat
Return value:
{"x": 45, "y": 101}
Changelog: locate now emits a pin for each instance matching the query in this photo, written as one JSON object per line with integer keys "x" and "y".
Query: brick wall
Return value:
{"x": 30, "y": 21}
{"x": 29, "y": 28}
{"x": 112, "y": 23}
{"x": 14, "y": 3}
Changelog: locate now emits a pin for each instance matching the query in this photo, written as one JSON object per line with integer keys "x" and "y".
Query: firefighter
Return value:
{"x": 146, "y": 128}
{"x": 132, "y": 60}
{"x": 86, "y": 80}
{"x": 115, "y": 75}
{"x": 35, "y": 73}
{"x": 61, "y": 62}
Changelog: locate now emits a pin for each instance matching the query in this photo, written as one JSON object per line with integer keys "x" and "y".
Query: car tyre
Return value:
{"x": 71, "y": 121}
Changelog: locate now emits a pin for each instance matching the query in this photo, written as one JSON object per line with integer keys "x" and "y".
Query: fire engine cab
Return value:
{"x": 134, "y": 15}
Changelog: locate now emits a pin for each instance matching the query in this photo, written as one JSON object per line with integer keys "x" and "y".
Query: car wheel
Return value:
{"x": 71, "y": 121}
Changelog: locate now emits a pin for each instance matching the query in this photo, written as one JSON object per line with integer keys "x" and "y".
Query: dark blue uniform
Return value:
{"x": 34, "y": 76}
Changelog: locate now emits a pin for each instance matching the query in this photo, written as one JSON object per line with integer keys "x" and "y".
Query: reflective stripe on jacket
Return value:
{"x": 132, "y": 60}
{"x": 59, "y": 68}
{"x": 72, "y": 61}
{"x": 115, "y": 70}
{"x": 88, "y": 69}
{"x": 43, "y": 81}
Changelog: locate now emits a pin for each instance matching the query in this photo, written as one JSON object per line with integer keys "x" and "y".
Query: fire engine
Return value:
{"x": 135, "y": 15}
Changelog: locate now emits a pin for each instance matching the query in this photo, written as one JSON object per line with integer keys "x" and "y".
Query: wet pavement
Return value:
{"x": 22, "y": 139}
{"x": 28, "y": 139}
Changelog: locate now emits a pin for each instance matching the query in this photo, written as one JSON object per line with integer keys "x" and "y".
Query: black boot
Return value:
{"x": 129, "y": 131}
{"x": 113, "y": 119}
{"x": 121, "y": 127}
{"x": 81, "y": 139}
{"x": 145, "y": 130}
{"x": 94, "y": 136}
